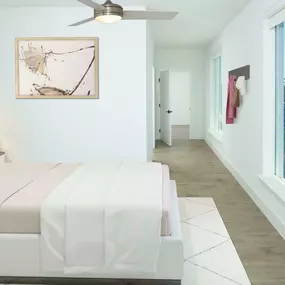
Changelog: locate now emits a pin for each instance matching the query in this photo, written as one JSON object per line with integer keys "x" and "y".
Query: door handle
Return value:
{"x": 169, "y": 111}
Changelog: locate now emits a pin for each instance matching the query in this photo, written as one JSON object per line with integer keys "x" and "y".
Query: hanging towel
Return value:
{"x": 236, "y": 98}
{"x": 231, "y": 111}
{"x": 241, "y": 85}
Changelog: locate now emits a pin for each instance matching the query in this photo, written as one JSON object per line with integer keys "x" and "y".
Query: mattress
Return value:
{"x": 23, "y": 189}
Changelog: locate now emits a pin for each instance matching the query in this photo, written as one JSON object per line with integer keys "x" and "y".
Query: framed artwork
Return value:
{"x": 65, "y": 68}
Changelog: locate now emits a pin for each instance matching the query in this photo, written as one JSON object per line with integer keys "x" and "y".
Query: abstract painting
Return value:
{"x": 57, "y": 68}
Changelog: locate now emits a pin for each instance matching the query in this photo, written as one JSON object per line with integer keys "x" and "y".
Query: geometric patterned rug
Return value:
{"x": 210, "y": 256}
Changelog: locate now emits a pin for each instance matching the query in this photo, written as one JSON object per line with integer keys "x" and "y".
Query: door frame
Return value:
{"x": 157, "y": 103}
{"x": 165, "y": 104}
{"x": 157, "y": 98}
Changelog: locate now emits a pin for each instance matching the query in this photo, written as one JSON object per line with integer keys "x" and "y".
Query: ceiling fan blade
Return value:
{"x": 91, "y": 4}
{"x": 82, "y": 22}
{"x": 149, "y": 15}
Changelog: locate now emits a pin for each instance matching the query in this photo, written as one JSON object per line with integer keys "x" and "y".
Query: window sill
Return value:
{"x": 216, "y": 135}
{"x": 276, "y": 185}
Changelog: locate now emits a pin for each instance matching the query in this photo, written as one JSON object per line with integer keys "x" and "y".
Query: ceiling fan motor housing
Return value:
{"x": 110, "y": 9}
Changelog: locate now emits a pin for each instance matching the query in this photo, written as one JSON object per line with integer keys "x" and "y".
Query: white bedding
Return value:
{"x": 104, "y": 218}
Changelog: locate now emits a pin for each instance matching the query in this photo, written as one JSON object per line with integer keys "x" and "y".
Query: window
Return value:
{"x": 217, "y": 96}
{"x": 279, "y": 100}
{"x": 273, "y": 170}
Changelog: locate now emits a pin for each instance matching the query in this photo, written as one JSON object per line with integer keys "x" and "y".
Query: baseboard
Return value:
{"x": 197, "y": 138}
{"x": 257, "y": 199}
{"x": 180, "y": 126}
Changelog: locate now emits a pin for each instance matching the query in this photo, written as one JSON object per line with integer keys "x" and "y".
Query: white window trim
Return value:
{"x": 268, "y": 177}
{"x": 213, "y": 129}
{"x": 276, "y": 185}
{"x": 279, "y": 123}
{"x": 216, "y": 135}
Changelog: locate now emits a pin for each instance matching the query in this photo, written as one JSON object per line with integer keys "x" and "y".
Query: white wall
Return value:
{"x": 269, "y": 3}
{"x": 111, "y": 128}
{"x": 240, "y": 44}
{"x": 149, "y": 93}
{"x": 193, "y": 61}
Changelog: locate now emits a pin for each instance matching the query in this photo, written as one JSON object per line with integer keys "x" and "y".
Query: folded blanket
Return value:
{"x": 103, "y": 219}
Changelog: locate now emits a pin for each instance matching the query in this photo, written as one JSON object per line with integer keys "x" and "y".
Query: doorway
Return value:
{"x": 173, "y": 106}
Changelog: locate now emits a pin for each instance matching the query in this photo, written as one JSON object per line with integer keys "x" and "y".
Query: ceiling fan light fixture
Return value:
{"x": 110, "y": 14}
{"x": 108, "y": 19}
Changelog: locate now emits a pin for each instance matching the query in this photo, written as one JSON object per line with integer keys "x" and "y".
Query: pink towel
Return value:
{"x": 231, "y": 111}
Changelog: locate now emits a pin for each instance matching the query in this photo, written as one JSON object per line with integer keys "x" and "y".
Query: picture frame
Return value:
{"x": 57, "y": 68}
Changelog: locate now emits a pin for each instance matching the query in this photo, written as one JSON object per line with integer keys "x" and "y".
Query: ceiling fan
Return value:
{"x": 110, "y": 13}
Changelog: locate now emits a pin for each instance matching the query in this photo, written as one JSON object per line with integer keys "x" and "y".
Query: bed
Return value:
{"x": 24, "y": 188}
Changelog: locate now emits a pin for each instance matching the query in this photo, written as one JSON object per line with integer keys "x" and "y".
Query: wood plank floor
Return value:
{"x": 199, "y": 173}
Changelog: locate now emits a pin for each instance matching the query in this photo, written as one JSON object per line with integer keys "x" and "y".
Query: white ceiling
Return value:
{"x": 198, "y": 22}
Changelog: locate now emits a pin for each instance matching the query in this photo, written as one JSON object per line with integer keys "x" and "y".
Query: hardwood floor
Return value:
{"x": 199, "y": 173}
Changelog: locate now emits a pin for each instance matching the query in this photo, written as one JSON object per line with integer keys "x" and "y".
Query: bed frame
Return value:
{"x": 20, "y": 259}
{"x": 85, "y": 281}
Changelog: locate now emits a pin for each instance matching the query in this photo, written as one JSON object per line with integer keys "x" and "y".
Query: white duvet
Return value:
{"x": 103, "y": 219}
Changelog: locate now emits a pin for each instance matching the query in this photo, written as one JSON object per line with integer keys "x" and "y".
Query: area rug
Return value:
{"x": 210, "y": 256}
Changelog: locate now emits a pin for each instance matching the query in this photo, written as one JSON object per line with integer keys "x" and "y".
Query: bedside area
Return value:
{"x": 2, "y": 157}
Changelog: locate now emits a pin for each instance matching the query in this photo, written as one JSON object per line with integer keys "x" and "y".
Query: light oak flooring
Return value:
{"x": 199, "y": 173}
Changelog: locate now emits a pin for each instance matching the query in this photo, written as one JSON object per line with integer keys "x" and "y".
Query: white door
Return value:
{"x": 180, "y": 98}
{"x": 165, "y": 111}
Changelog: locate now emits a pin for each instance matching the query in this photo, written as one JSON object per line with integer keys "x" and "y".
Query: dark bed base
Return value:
{"x": 83, "y": 281}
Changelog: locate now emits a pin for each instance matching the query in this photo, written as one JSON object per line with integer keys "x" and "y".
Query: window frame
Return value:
{"x": 268, "y": 176}
{"x": 279, "y": 100}
{"x": 216, "y": 96}
{"x": 269, "y": 86}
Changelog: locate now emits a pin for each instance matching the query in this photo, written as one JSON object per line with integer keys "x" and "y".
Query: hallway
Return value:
{"x": 199, "y": 173}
